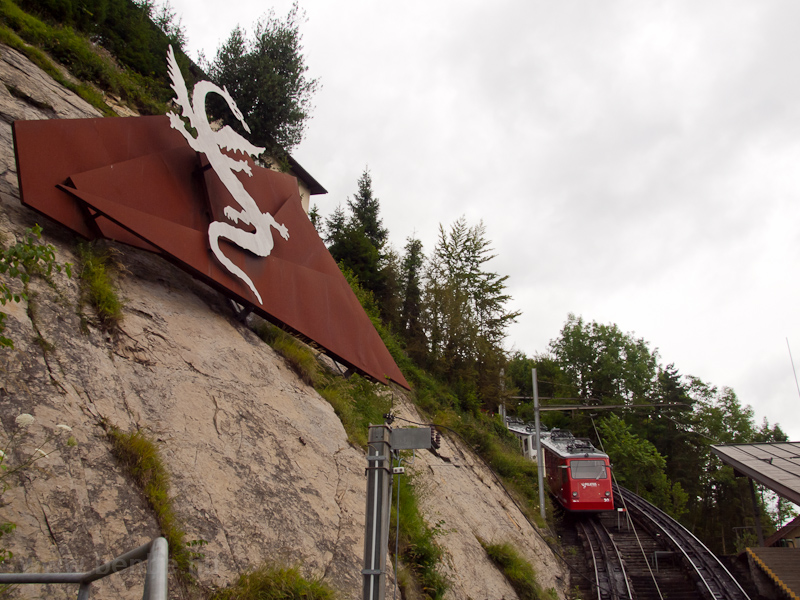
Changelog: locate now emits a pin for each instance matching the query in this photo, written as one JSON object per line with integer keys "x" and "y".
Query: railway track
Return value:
{"x": 712, "y": 579}
{"x": 610, "y": 581}
{"x": 657, "y": 560}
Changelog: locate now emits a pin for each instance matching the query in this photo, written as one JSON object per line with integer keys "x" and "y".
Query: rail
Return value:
{"x": 611, "y": 581}
{"x": 155, "y": 581}
{"x": 714, "y": 579}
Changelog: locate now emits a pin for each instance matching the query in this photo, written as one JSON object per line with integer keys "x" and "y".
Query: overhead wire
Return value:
{"x": 627, "y": 514}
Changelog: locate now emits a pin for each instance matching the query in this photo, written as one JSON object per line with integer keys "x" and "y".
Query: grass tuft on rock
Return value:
{"x": 276, "y": 583}
{"x": 518, "y": 571}
{"x": 297, "y": 355}
{"x": 97, "y": 286}
{"x": 419, "y": 553}
{"x": 141, "y": 458}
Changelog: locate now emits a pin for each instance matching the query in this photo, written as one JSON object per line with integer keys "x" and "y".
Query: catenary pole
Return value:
{"x": 539, "y": 461}
{"x": 379, "y": 476}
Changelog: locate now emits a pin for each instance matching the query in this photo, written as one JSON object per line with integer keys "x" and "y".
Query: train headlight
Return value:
{"x": 574, "y": 494}
{"x": 608, "y": 494}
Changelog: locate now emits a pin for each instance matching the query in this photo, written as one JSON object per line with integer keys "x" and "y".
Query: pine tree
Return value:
{"x": 411, "y": 312}
{"x": 364, "y": 209}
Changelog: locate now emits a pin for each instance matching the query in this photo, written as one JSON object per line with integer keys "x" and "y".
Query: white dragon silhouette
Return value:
{"x": 211, "y": 143}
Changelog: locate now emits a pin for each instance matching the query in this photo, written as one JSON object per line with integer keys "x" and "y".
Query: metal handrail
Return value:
{"x": 155, "y": 552}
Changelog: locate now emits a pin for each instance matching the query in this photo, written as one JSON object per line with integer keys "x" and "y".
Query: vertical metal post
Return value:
{"x": 83, "y": 591}
{"x": 156, "y": 577}
{"x": 376, "y": 538}
{"x": 756, "y": 513}
{"x": 539, "y": 461}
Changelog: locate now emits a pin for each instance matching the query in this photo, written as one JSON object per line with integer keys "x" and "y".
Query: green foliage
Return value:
{"x": 22, "y": 260}
{"x": 465, "y": 316}
{"x": 365, "y": 208}
{"x": 357, "y": 241}
{"x": 297, "y": 355}
{"x": 357, "y": 403}
{"x": 266, "y": 74}
{"x": 419, "y": 554}
{"x": 72, "y": 48}
{"x": 639, "y": 467}
{"x": 411, "y": 311}
{"x": 604, "y": 364}
{"x": 142, "y": 459}
{"x": 97, "y": 287}
{"x": 276, "y": 583}
{"x": 124, "y": 28}
{"x": 518, "y": 571}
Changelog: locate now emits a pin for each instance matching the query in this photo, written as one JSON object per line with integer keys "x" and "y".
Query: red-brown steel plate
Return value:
{"x": 135, "y": 180}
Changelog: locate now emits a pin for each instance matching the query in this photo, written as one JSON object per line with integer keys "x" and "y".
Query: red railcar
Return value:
{"x": 577, "y": 473}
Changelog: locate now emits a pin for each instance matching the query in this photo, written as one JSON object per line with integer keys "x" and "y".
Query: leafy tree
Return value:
{"x": 316, "y": 219}
{"x": 720, "y": 501}
{"x": 266, "y": 74}
{"x": 168, "y": 21}
{"x": 604, "y": 364}
{"x": 465, "y": 316}
{"x": 551, "y": 382}
{"x": 639, "y": 466}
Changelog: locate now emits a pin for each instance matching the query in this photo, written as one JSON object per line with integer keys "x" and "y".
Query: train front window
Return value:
{"x": 588, "y": 469}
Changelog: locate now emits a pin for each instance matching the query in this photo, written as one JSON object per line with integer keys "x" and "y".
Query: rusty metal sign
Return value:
{"x": 137, "y": 181}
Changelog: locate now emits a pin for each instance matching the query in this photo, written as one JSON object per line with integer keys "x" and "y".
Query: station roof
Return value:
{"x": 780, "y": 565}
{"x": 775, "y": 465}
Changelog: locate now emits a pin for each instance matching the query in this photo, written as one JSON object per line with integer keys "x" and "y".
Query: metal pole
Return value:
{"x": 156, "y": 579}
{"x": 376, "y": 538}
{"x": 756, "y": 513}
{"x": 539, "y": 461}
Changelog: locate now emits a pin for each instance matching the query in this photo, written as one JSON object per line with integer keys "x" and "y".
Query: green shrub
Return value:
{"x": 276, "y": 583}
{"x": 518, "y": 571}
{"x": 77, "y": 53}
{"x": 21, "y": 261}
{"x": 419, "y": 554}
{"x": 142, "y": 459}
{"x": 97, "y": 287}
{"x": 297, "y": 355}
{"x": 356, "y": 403}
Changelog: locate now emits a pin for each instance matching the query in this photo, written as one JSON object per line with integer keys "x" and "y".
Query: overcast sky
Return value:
{"x": 634, "y": 162}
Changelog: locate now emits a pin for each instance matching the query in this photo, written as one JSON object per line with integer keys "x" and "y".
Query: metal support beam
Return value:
{"x": 756, "y": 513}
{"x": 376, "y": 540}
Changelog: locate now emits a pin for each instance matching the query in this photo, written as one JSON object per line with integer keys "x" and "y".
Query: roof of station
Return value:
{"x": 775, "y": 465}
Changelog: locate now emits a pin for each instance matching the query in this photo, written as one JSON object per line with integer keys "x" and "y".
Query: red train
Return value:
{"x": 577, "y": 473}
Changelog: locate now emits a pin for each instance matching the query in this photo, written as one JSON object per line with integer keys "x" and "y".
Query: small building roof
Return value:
{"x": 782, "y": 532}
{"x": 313, "y": 185}
{"x": 775, "y": 465}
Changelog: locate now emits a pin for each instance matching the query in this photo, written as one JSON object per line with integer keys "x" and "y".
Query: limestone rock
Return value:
{"x": 260, "y": 465}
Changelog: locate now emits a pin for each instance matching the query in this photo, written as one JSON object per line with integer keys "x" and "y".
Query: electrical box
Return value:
{"x": 411, "y": 438}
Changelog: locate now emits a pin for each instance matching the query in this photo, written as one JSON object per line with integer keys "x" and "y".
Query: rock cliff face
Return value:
{"x": 260, "y": 465}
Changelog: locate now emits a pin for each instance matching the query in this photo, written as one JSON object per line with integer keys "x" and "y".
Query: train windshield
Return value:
{"x": 588, "y": 469}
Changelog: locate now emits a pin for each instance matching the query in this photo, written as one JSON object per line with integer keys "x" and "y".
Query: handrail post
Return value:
{"x": 155, "y": 580}
{"x": 83, "y": 591}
